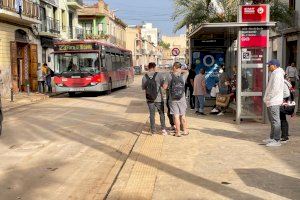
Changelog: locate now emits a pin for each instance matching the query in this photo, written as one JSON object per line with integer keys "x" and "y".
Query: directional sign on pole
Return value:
{"x": 175, "y": 52}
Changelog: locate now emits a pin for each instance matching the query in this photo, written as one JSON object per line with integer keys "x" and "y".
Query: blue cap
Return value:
{"x": 274, "y": 62}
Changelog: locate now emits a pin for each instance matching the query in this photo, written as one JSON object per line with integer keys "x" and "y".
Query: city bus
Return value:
{"x": 91, "y": 66}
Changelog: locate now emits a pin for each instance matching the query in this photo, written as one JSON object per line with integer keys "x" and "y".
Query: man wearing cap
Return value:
{"x": 273, "y": 99}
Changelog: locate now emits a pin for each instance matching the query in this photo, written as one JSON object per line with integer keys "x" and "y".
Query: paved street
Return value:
{"x": 74, "y": 148}
{"x": 68, "y": 148}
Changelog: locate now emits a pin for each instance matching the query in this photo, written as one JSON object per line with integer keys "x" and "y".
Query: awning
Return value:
{"x": 228, "y": 27}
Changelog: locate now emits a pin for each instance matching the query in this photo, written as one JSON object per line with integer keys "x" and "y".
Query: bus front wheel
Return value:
{"x": 71, "y": 94}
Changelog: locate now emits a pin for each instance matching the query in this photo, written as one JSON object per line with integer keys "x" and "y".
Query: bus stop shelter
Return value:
{"x": 244, "y": 45}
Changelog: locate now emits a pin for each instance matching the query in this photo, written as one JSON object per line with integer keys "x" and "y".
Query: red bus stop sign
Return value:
{"x": 175, "y": 52}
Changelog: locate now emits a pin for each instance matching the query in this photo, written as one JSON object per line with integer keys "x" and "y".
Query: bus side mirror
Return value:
{"x": 49, "y": 58}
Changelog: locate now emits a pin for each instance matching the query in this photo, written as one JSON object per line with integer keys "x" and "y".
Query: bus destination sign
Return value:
{"x": 75, "y": 47}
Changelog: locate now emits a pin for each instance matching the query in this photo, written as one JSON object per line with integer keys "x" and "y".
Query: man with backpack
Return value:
{"x": 152, "y": 83}
{"x": 177, "y": 101}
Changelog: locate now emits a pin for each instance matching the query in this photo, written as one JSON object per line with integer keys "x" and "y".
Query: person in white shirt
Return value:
{"x": 292, "y": 73}
{"x": 273, "y": 99}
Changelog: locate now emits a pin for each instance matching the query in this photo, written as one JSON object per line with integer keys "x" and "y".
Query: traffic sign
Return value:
{"x": 175, "y": 52}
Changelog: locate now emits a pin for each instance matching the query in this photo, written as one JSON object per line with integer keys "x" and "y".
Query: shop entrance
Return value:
{"x": 23, "y": 63}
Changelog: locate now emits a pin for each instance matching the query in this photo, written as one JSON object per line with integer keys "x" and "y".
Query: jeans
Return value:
{"x": 201, "y": 101}
{"x": 48, "y": 83}
{"x": 284, "y": 126}
{"x": 41, "y": 85}
{"x": 170, "y": 116}
{"x": 160, "y": 108}
{"x": 274, "y": 117}
{"x": 192, "y": 97}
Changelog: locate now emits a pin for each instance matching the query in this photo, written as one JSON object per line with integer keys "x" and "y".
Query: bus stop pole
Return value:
{"x": 239, "y": 80}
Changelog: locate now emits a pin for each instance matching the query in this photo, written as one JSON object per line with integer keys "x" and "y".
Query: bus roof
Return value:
{"x": 91, "y": 42}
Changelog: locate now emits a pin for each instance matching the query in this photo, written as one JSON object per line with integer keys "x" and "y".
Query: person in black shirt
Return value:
{"x": 190, "y": 85}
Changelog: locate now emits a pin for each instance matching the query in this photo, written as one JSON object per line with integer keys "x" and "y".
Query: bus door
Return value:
{"x": 114, "y": 74}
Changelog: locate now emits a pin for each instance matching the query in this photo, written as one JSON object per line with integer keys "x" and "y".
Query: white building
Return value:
{"x": 149, "y": 33}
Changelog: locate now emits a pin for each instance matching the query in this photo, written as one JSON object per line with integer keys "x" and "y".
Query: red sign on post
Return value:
{"x": 254, "y": 13}
{"x": 254, "y": 41}
{"x": 175, "y": 52}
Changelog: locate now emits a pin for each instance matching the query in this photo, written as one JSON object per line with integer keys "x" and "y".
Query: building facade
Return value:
{"x": 143, "y": 50}
{"x": 174, "y": 42}
{"x": 285, "y": 41}
{"x": 99, "y": 22}
{"x": 18, "y": 45}
{"x": 28, "y": 30}
{"x": 134, "y": 43}
{"x": 150, "y": 33}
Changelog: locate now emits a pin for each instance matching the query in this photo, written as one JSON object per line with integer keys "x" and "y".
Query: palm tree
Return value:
{"x": 195, "y": 12}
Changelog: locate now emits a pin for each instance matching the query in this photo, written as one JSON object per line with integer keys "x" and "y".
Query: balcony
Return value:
{"x": 76, "y": 33}
{"x": 25, "y": 12}
{"x": 75, "y": 4}
{"x": 49, "y": 27}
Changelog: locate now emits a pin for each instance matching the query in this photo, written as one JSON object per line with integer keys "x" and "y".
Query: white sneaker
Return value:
{"x": 274, "y": 144}
{"x": 214, "y": 110}
{"x": 220, "y": 114}
{"x": 164, "y": 132}
{"x": 266, "y": 141}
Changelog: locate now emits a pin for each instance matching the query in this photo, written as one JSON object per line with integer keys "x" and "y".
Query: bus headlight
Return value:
{"x": 93, "y": 83}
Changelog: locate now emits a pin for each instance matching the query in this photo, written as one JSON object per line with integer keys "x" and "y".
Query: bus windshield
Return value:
{"x": 77, "y": 62}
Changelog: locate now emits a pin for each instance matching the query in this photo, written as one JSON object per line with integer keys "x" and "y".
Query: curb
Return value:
{"x": 34, "y": 101}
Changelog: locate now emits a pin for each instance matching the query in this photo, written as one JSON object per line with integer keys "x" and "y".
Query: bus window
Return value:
{"x": 118, "y": 61}
{"x": 127, "y": 61}
{"x": 114, "y": 61}
{"x": 77, "y": 62}
{"x": 108, "y": 62}
{"x": 123, "y": 63}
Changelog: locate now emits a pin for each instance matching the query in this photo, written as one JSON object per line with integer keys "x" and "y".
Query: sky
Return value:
{"x": 135, "y": 12}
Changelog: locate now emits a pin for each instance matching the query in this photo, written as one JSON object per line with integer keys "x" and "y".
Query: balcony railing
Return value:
{"x": 76, "y": 33}
{"x": 50, "y": 25}
{"x": 24, "y": 7}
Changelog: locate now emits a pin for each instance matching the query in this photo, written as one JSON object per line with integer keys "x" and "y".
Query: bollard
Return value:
{"x": 11, "y": 95}
{"x": 28, "y": 89}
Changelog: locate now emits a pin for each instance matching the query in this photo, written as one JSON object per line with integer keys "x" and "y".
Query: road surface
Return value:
{"x": 69, "y": 148}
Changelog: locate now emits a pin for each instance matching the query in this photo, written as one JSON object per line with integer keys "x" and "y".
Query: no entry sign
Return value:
{"x": 175, "y": 52}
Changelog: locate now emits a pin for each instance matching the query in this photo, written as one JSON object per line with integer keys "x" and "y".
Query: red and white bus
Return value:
{"x": 91, "y": 66}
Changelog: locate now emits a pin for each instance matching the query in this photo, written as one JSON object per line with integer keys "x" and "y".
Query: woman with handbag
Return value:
{"x": 223, "y": 98}
{"x": 284, "y": 110}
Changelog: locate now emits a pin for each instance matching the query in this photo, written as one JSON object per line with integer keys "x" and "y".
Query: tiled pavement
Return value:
{"x": 218, "y": 160}
{"x": 21, "y": 99}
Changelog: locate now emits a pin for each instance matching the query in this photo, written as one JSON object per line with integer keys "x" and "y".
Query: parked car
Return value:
{"x": 137, "y": 70}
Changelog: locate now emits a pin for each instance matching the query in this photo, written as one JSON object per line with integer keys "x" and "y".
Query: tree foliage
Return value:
{"x": 195, "y": 12}
{"x": 164, "y": 45}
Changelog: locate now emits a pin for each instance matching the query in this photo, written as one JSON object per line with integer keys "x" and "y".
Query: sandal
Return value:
{"x": 177, "y": 135}
{"x": 186, "y": 134}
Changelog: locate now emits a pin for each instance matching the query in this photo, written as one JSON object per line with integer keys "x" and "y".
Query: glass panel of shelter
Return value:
{"x": 252, "y": 82}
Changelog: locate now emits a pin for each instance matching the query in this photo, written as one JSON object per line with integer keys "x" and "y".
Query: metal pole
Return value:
{"x": 239, "y": 81}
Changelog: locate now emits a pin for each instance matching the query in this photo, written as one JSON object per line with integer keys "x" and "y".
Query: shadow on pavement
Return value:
{"x": 272, "y": 182}
{"x": 15, "y": 183}
{"x": 91, "y": 139}
{"x": 228, "y": 134}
